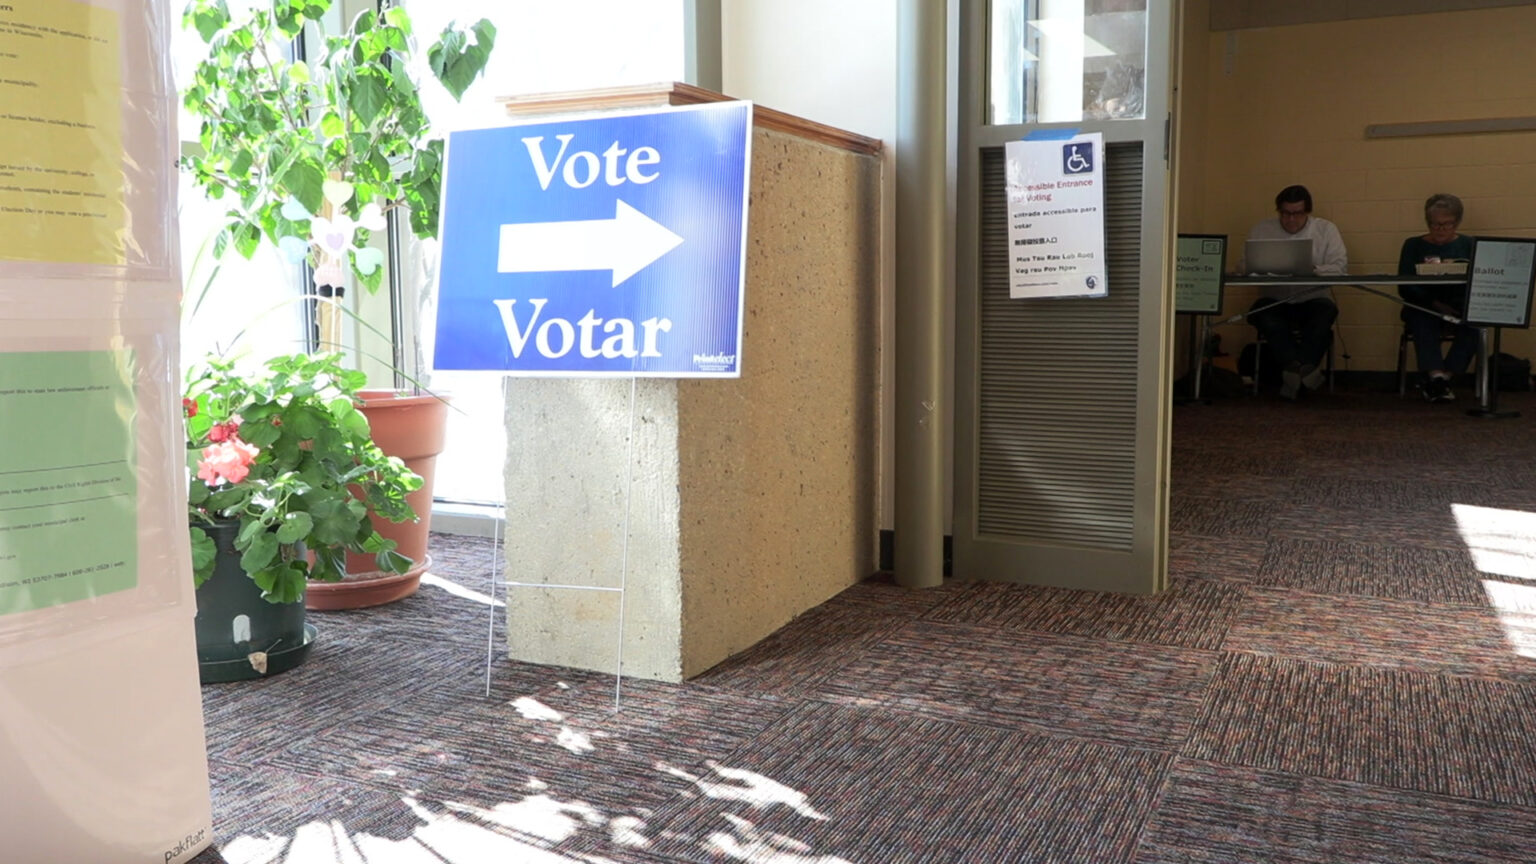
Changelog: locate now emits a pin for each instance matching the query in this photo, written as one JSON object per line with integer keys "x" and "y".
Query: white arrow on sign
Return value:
{"x": 626, "y": 244}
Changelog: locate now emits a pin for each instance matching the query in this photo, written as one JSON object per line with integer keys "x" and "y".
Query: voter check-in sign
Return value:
{"x": 607, "y": 246}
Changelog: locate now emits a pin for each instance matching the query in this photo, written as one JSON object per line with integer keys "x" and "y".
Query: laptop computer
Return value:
{"x": 1291, "y": 256}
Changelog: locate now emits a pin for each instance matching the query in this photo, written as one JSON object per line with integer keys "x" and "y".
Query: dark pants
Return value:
{"x": 1426, "y": 330}
{"x": 1298, "y": 332}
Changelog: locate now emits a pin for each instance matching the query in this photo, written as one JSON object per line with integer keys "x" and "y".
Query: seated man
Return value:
{"x": 1442, "y": 214}
{"x": 1296, "y": 323}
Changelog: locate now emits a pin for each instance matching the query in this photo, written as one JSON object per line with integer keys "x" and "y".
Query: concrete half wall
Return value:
{"x": 752, "y": 500}
{"x": 779, "y": 469}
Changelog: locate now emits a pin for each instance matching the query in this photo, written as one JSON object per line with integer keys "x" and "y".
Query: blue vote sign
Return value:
{"x": 598, "y": 247}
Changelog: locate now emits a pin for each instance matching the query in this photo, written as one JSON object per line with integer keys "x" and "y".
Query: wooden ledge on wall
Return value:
{"x": 1451, "y": 127}
{"x": 677, "y": 93}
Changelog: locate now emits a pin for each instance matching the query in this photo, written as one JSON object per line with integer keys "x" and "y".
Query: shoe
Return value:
{"x": 1436, "y": 389}
{"x": 1290, "y": 382}
{"x": 1312, "y": 377}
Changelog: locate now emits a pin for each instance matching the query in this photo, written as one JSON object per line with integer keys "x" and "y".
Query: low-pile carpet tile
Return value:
{"x": 1342, "y": 669}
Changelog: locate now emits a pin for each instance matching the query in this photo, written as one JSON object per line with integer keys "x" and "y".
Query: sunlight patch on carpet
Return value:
{"x": 1501, "y": 542}
{"x": 748, "y": 787}
{"x": 1515, "y": 604}
{"x": 458, "y": 590}
{"x": 750, "y": 844}
{"x": 523, "y": 832}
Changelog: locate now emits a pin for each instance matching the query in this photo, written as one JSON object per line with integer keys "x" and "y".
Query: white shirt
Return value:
{"x": 1329, "y": 257}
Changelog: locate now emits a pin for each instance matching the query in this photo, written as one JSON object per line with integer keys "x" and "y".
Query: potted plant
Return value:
{"x": 286, "y": 474}
{"x": 314, "y": 154}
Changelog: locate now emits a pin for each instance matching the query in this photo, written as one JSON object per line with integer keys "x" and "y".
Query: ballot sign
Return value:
{"x": 1499, "y": 282}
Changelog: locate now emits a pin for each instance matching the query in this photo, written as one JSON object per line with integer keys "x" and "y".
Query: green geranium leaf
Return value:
{"x": 303, "y": 422}
{"x": 266, "y": 580}
{"x": 290, "y": 585}
{"x": 295, "y": 527}
{"x": 225, "y": 500}
{"x": 334, "y": 524}
{"x": 391, "y": 561}
{"x": 340, "y": 407}
{"x": 260, "y": 554}
{"x": 330, "y": 566}
{"x": 356, "y": 425}
{"x": 283, "y": 583}
{"x": 248, "y": 533}
{"x": 259, "y": 433}
{"x": 203, "y": 554}
{"x": 352, "y": 380}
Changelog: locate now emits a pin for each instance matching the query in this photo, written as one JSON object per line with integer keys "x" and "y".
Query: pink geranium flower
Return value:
{"x": 224, "y": 431}
{"x": 228, "y": 461}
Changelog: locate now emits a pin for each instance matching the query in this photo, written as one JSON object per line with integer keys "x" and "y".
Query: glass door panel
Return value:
{"x": 1063, "y": 61}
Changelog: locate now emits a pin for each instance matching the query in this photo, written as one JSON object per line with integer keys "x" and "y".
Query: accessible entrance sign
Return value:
{"x": 606, "y": 246}
{"x": 1056, "y": 215}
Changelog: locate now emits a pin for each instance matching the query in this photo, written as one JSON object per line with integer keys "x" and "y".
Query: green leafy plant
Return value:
{"x": 311, "y": 154}
{"x": 285, "y": 452}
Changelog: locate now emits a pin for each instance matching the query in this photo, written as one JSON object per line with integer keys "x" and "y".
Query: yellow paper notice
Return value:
{"x": 61, "y": 149}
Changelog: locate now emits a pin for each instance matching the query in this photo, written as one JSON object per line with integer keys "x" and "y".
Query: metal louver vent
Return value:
{"x": 1057, "y": 382}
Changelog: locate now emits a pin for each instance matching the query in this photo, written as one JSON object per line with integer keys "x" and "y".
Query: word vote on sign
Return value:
{"x": 604, "y": 246}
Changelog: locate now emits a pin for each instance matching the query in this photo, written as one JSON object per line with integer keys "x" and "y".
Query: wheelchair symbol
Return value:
{"x": 1077, "y": 158}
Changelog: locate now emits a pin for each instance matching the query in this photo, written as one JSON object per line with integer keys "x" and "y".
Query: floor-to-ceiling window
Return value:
{"x": 540, "y": 47}
{"x": 231, "y": 304}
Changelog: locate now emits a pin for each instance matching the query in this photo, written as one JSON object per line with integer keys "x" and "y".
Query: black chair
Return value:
{"x": 1447, "y": 334}
{"x": 1258, "y": 353}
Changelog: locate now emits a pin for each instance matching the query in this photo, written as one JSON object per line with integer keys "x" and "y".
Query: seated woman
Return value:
{"x": 1442, "y": 214}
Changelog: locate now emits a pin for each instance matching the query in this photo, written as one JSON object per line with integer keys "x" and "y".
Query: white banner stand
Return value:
{"x": 629, "y": 485}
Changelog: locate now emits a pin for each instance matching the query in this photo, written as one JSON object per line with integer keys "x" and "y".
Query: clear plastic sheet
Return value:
{"x": 128, "y": 324}
{"x": 102, "y": 754}
{"x": 124, "y": 304}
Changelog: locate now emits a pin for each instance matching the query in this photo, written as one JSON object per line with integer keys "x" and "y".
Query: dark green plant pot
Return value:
{"x": 237, "y": 630}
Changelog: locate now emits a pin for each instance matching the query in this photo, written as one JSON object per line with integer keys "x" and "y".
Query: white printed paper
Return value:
{"x": 1056, "y": 217}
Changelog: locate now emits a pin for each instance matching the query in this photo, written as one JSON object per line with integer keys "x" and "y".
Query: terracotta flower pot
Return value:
{"x": 412, "y": 428}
